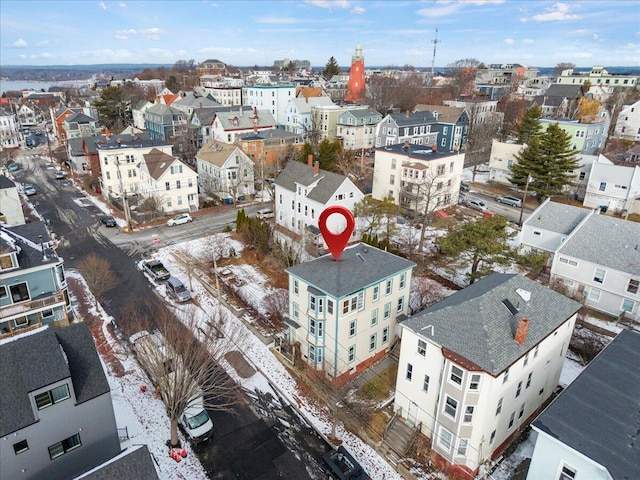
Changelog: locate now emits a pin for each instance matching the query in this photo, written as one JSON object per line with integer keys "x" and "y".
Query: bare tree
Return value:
{"x": 424, "y": 293}
{"x": 380, "y": 92}
{"x": 462, "y": 74}
{"x": 482, "y": 130}
{"x": 97, "y": 273}
{"x": 512, "y": 107}
{"x": 186, "y": 367}
{"x": 345, "y": 162}
{"x": 276, "y": 305}
{"x": 558, "y": 69}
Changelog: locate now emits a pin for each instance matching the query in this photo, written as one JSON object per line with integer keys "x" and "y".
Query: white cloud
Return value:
{"x": 20, "y": 43}
{"x": 46, "y": 56}
{"x": 122, "y": 5}
{"x": 22, "y": 56}
{"x": 436, "y": 12}
{"x": 578, "y": 33}
{"x": 42, "y": 43}
{"x": 102, "y": 5}
{"x": 151, "y": 33}
{"x": 482, "y": 2}
{"x": 509, "y": 41}
{"x": 528, "y": 41}
{"x": 358, "y": 10}
{"x": 276, "y": 20}
{"x": 559, "y": 12}
{"x": 329, "y": 3}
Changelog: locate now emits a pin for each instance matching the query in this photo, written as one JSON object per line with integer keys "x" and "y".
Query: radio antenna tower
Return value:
{"x": 435, "y": 42}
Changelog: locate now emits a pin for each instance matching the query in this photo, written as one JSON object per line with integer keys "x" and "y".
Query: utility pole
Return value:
{"x": 524, "y": 199}
{"x": 435, "y": 42}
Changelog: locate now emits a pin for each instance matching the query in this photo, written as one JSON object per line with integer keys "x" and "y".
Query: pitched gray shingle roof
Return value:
{"x": 5, "y": 182}
{"x": 607, "y": 241}
{"x": 301, "y": 173}
{"x": 134, "y": 462}
{"x": 598, "y": 415}
{"x": 475, "y": 323}
{"x": 40, "y": 359}
{"x": 359, "y": 267}
{"x": 557, "y": 217}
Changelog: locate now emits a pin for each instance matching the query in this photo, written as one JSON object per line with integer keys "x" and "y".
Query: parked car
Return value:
{"x": 180, "y": 219}
{"x": 177, "y": 290}
{"x": 477, "y": 204}
{"x": 264, "y": 213}
{"x": 59, "y": 175}
{"x": 38, "y": 132}
{"x": 108, "y": 221}
{"x": 509, "y": 200}
{"x": 464, "y": 186}
{"x": 29, "y": 190}
{"x": 13, "y": 167}
{"x": 343, "y": 466}
{"x": 29, "y": 142}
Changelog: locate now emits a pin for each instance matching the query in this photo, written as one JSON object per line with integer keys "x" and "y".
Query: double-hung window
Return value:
{"x": 456, "y": 375}
{"x": 422, "y": 347}
{"x": 451, "y": 406}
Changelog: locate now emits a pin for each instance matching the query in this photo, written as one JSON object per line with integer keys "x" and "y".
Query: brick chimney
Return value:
{"x": 407, "y": 113}
{"x": 434, "y": 148}
{"x": 406, "y": 145}
{"x": 310, "y": 160}
{"x": 316, "y": 168}
{"x": 521, "y": 331}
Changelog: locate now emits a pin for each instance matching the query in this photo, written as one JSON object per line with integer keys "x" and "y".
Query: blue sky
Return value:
{"x": 392, "y": 32}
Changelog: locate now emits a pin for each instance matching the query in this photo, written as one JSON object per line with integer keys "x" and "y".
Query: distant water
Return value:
{"x": 19, "y": 85}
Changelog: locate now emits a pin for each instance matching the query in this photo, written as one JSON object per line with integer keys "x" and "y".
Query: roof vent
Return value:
{"x": 359, "y": 255}
{"x": 507, "y": 303}
{"x": 524, "y": 294}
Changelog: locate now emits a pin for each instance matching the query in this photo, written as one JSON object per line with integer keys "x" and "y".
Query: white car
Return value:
{"x": 264, "y": 213}
{"x": 29, "y": 190}
{"x": 477, "y": 204}
{"x": 180, "y": 219}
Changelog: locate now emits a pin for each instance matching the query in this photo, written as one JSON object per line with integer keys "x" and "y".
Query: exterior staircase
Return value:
{"x": 398, "y": 437}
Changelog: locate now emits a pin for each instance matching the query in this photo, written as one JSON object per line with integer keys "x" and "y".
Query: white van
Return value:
{"x": 196, "y": 423}
{"x": 264, "y": 213}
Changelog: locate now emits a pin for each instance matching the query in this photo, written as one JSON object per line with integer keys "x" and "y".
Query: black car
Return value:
{"x": 108, "y": 221}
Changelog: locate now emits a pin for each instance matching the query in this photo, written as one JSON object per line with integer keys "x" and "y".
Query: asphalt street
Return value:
{"x": 246, "y": 445}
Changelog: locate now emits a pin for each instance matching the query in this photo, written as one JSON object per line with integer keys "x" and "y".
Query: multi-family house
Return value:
{"x": 9, "y": 132}
{"x": 418, "y": 179}
{"x": 137, "y": 113}
{"x": 299, "y": 117}
{"x": 172, "y": 183}
{"x": 599, "y": 262}
{"x": 11, "y": 211}
{"x": 224, "y": 90}
{"x": 33, "y": 285}
{"x": 187, "y": 102}
{"x": 343, "y": 314}
{"x": 80, "y": 125}
{"x": 477, "y": 366}
{"x": 479, "y": 111}
{"x": 597, "y": 76}
{"x": 163, "y": 122}
{"x": 356, "y": 128}
{"x": 419, "y": 128}
{"x": 60, "y": 115}
{"x": 628, "y": 123}
{"x": 233, "y": 121}
{"x": 29, "y": 114}
{"x": 504, "y": 74}
{"x": 57, "y": 413}
{"x": 615, "y": 187}
{"x": 560, "y": 101}
{"x": 590, "y": 429}
{"x": 534, "y": 87}
{"x": 272, "y": 97}
{"x": 588, "y": 135}
{"x": 268, "y": 148}
{"x": 119, "y": 158}
{"x": 324, "y": 119}
{"x": 453, "y": 126}
{"x": 303, "y": 191}
{"x": 225, "y": 171}
{"x": 501, "y": 160}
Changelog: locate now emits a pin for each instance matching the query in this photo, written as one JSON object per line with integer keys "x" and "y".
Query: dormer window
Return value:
{"x": 7, "y": 262}
{"x": 50, "y": 397}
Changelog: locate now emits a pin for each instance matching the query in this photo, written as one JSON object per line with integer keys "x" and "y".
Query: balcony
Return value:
{"x": 24, "y": 316}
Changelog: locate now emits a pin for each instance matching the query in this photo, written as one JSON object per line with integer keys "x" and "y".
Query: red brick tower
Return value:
{"x": 355, "y": 88}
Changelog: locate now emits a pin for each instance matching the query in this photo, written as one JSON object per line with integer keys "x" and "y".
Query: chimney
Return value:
{"x": 521, "y": 331}
{"x": 200, "y": 103}
{"x": 240, "y": 110}
{"x": 406, "y": 145}
{"x": 255, "y": 112}
{"x": 434, "y": 148}
{"x": 316, "y": 168}
{"x": 407, "y": 113}
{"x": 310, "y": 160}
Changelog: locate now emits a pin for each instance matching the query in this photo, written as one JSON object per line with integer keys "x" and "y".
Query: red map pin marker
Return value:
{"x": 336, "y": 241}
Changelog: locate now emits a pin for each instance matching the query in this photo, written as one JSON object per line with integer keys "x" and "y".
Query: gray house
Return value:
{"x": 418, "y": 128}
{"x": 591, "y": 429}
{"x": 56, "y": 412}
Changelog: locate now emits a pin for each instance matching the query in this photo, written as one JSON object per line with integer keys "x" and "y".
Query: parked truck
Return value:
{"x": 156, "y": 270}
{"x": 150, "y": 351}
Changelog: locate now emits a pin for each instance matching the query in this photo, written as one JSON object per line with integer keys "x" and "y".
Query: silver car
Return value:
{"x": 477, "y": 204}
{"x": 177, "y": 290}
{"x": 509, "y": 200}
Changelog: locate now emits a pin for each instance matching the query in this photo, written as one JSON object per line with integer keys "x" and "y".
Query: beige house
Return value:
{"x": 170, "y": 181}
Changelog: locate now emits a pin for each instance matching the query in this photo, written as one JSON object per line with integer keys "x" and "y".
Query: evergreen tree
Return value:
{"x": 549, "y": 160}
{"x": 331, "y": 69}
{"x": 530, "y": 125}
{"x": 482, "y": 242}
